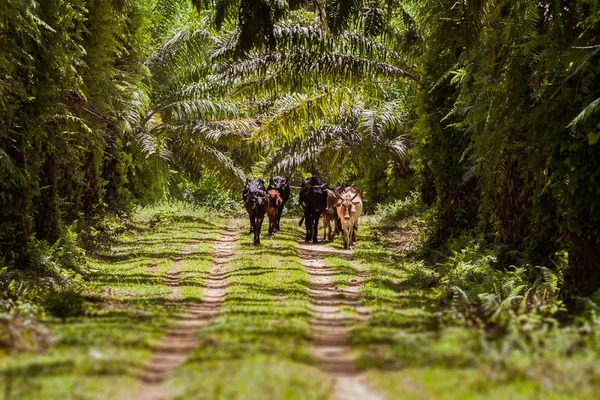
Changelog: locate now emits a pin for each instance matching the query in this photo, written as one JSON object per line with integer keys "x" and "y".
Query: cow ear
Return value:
{"x": 355, "y": 202}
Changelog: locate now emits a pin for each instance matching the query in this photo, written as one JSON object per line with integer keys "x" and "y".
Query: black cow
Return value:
{"x": 313, "y": 200}
{"x": 283, "y": 187}
{"x": 255, "y": 197}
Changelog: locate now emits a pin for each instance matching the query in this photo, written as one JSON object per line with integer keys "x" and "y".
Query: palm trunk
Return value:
{"x": 514, "y": 213}
{"x": 47, "y": 214}
{"x": 582, "y": 278}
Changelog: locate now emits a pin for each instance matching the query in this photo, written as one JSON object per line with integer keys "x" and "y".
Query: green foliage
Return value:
{"x": 523, "y": 298}
{"x": 212, "y": 194}
{"x": 20, "y": 328}
{"x": 392, "y": 213}
{"x": 457, "y": 317}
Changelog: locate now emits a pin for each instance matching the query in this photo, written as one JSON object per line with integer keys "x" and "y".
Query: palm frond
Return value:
{"x": 589, "y": 111}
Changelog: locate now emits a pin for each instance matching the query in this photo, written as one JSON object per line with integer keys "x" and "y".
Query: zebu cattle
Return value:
{"x": 255, "y": 198}
{"x": 313, "y": 199}
{"x": 340, "y": 188}
{"x": 283, "y": 187}
{"x": 349, "y": 209}
{"x": 330, "y": 216}
{"x": 274, "y": 207}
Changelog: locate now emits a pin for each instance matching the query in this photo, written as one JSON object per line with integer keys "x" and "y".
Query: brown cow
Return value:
{"x": 330, "y": 216}
{"x": 274, "y": 203}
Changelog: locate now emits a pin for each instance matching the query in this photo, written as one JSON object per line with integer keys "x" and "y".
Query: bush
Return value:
{"x": 66, "y": 302}
{"x": 484, "y": 296}
{"x": 210, "y": 193}
{"x": 391, "y": 213}
{"x": 20, "y": 328}
{"x": 47, "y": 277}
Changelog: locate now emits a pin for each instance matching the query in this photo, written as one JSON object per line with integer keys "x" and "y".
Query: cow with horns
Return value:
{"x": 255, "y": 198}
{"x": 282, "y": 186}
{"x": 349, "y": 209}
{"x": 330, "y": 215}
{"x": 313, "y": 200}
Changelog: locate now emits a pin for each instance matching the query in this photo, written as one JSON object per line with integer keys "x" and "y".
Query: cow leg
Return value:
{"x": 257, "y": 227}
{"x": 252, "y": 218}
{"x": 350, "y": 236}
{"x": 274, "y": 225}
{"x": 307, "y": 225}
{"x": 325, "y": 225}
{"x": 315, "y": 230}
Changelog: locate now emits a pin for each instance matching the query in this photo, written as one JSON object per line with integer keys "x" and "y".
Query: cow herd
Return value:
{"x": 340, "y": 206}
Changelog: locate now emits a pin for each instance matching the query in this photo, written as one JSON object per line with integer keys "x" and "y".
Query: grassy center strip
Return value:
{"x": 258, "y": 347}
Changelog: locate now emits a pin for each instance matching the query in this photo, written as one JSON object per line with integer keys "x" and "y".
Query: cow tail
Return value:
{"x": 301, "y": 221}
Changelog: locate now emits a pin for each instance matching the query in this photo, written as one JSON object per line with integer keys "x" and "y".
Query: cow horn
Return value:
{"x": 357, "y": 193}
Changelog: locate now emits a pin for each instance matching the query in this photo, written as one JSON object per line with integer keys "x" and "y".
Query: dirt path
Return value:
{"x": 330, "y": 327}
{"x": 180, "y": 340}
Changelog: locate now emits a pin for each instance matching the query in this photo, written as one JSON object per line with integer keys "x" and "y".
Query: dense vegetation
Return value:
{"x": 472, "y": 127}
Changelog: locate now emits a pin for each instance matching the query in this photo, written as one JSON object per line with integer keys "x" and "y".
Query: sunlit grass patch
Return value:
{"x": 72, "y": 385}
{"x": 256, "y": 377}
{"x": 343, "y": 270}
{"x": 443, "y": 383}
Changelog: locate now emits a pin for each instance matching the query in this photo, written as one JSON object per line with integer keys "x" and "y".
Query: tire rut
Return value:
{"x": 180, "y": 339}
{"x": 330, "y": 328}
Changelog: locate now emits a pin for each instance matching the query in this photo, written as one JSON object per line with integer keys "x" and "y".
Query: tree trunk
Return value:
{"x": 428, "y": 194}
{"x": 46, "y": 206}
{"x": 514, "y": 213}
{"x": 582, "y": 278}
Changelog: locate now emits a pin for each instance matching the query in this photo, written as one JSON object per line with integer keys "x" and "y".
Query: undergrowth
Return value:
{"x": 509, "y": 325}
{"x": 55, "y": 280}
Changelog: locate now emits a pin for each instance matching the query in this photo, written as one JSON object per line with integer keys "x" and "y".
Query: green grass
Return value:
{"x": 343, "y": 270}
{"x": 447, "y": 384}
{"x": 101, "y": 354}
{"x": 409, "y": 351}
{"x": 258, "y": 347}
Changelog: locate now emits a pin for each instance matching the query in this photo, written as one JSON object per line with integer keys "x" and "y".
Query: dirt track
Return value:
{"x": 330, "y": 327}
{"x": 180, "y": 340}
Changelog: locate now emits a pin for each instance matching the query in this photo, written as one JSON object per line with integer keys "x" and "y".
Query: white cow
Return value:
{"x": 349, "y": 209}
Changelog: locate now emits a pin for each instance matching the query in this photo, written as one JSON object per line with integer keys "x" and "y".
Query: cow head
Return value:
{"x": 347, "y": 204}
{"x": 278, "y": 182}
{"x": 331, "y": 201}
{"x": 255, "y": 184}
{"x": 257, "y": 197}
